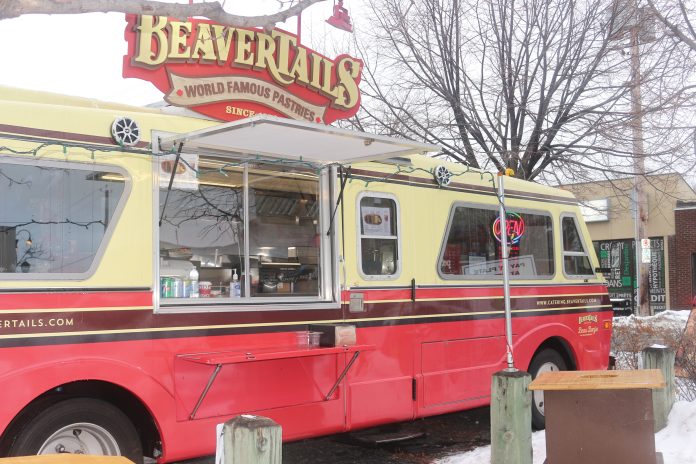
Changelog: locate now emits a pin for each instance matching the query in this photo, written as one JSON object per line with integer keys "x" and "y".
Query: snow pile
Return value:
{"x": 482, "y": 455}
{"x": 676, "y": 441}
{"x": 665, "y": 319}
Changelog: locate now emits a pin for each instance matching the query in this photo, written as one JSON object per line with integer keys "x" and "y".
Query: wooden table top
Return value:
{"x": 599, "y": 380}
{"x": 66, "y": 458}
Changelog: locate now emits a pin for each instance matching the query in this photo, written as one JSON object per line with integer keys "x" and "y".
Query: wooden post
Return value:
{"x": 662, "y": 358}
{"x": 252, "y": 440}
{"x": 511, "y": 418}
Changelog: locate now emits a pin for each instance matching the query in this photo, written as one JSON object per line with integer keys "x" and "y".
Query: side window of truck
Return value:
{"x": 56, "y": 217}
{"x": 472, "y": 248}
{"x": 378, "y": 217}
{"x": 236, "y": 232}
{"x": 576, "y": 261}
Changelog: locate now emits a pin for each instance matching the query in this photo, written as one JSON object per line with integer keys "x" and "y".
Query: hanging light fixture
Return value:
{"x": 28, "y": 241}
{"x": 340, "y": 18}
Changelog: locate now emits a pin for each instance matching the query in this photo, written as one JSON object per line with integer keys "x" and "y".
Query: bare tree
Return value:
{"x": 541, "y": 86}
{"x": 210, "y": 10}
{"x": 677, "y": 16}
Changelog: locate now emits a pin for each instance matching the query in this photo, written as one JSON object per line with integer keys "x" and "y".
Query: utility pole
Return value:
{"x": 640, "y": 196}
{"x": 633, "y": 21}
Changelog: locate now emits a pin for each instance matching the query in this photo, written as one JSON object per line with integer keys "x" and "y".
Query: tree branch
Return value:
{"x": 209, "y": 10}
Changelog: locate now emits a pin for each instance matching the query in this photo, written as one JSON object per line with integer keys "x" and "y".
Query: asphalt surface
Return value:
{"x": 440, "y": 436}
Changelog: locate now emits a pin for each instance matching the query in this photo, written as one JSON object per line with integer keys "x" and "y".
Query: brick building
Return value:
{"x": 683, "y": 255}
{"x": 609, "y": 212}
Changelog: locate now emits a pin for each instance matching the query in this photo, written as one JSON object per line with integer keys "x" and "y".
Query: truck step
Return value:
{"x": 377, "y": 438}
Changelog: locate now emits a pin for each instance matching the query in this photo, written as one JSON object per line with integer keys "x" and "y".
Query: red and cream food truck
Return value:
{"x": 162, "y": 273}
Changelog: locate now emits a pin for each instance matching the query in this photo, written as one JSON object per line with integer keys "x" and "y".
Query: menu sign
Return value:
{"x": 230, "y": 73}
{"x": 186, "y": 175}
{"x": 376, "y": 221}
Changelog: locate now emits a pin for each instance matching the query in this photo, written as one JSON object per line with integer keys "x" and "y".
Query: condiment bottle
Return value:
{"x": 193, "y": 277}
{"x": 235, "y": 287}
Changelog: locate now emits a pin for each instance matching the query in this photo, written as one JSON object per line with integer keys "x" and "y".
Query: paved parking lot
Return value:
{"x": 441, "y": 436}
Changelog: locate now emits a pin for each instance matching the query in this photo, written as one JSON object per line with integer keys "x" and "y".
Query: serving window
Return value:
{"x": 56, "y": 217}
{"x": 239, "y": 232}
{"x": 576, "y": 261}
{"x": 472, "y": 248}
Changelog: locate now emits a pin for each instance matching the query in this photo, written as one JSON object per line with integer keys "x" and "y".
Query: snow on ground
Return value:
{"x": 676, "y": 442}
{"x": 664, "y": 319}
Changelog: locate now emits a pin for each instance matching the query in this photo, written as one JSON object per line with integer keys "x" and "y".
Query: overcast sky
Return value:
{"x": 82, "y": 54}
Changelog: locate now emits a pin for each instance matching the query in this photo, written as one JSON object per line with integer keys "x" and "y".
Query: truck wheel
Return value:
{"x": 545, "y": 361}
{"x": 79, "y": 426}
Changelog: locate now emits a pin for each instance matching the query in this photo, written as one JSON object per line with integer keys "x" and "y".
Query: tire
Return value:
{"x": 545, "y": 360}
{"x": 79, "y": 426}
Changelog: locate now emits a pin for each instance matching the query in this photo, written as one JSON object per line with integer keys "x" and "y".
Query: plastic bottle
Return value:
{"x": 193, "y": 277}
{"x": 235, "y": 287}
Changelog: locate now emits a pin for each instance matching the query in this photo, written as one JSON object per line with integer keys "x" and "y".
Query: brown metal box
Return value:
{"x": 599, "y": 417}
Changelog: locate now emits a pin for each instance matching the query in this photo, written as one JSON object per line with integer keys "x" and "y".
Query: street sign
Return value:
{"x": 645, "y": 256}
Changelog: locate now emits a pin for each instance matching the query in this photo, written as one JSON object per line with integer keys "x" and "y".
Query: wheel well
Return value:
{"x": 560, "y": 346}
{"x": 118, "y": 396}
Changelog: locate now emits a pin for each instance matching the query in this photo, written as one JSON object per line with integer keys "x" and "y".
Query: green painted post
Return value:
{"x": 252, "y": 440}
{"x": 511, "y": 418}
{"x": 660, "y": 357}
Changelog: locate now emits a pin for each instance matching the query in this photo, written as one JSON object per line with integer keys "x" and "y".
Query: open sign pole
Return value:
{"x": 511, "y": 400}
{"x": 506, "y": 270}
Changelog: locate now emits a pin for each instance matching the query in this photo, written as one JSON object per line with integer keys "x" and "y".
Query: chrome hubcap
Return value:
{"x": 539, "y": 394}
{"x": 81, "y": 438}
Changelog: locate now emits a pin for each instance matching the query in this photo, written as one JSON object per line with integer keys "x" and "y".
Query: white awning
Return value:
{"x": 272, "y": 137}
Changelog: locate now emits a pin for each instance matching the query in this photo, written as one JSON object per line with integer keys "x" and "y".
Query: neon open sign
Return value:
{"x": 514, "y": 225}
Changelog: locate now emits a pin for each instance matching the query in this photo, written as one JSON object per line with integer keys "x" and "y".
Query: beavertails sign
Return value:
{"x": 230, "y": 73}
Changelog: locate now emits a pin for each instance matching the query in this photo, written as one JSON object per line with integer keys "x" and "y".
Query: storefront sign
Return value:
{"x": 231, "y": 73}
{"x": 620, "y": 256}
{"x": 656, "y": 275}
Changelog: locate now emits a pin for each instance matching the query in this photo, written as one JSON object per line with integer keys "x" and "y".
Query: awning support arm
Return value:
{"x": 344, "y": 180}
{"x": 171, "y": 181}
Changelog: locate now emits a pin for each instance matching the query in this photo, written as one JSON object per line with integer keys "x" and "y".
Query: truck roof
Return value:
{"x": 420, "y": 166}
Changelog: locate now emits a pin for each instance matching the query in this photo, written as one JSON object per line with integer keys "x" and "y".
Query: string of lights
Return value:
{"x": 65, "y": 147}
{"x": 86, "y": 225}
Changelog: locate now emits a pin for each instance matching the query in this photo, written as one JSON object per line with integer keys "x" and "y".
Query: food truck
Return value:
{"x": 162, "y": 273}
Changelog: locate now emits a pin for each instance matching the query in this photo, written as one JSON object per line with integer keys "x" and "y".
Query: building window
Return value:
{"x": 234, "y": 232}
{"x": 576, "y": 261}
{"x": 472, "y": 248}
{"x": 595, "y": 210}
{"x": 55, "y": 216}
{"x": 379, "y": 236}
